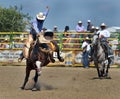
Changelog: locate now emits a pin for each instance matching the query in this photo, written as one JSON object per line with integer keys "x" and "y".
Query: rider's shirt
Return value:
{"x": 37, "y": 25}
{"x": 105, "y": 33}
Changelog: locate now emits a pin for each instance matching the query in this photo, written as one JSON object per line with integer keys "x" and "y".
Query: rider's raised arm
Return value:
{"x": 47, "y": 11}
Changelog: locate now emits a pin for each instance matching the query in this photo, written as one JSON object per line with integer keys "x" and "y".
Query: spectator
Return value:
{"x": 86, "y": 48}
{"x": 67, "y": 39}
{"x": 55, "y": 29}
{"x": 65, "y": 31}
{"x": 97, "y": 30}
{"x": 89, "y": 25}
{"x": 92, "y": 31}
{"x": 7, "y": 45}
{"x": 2, "y": 45}
{"x": 80, "y": 28}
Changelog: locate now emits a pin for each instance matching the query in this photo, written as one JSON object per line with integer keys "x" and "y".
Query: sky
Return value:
{"x": 69, "y": 12}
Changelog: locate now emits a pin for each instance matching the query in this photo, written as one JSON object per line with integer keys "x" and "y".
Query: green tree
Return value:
{"x": 12, "y": 19}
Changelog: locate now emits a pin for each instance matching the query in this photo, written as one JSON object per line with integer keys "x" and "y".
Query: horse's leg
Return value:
{"x": 102, "y": 69}
{"x": 38, "y": 64}
{"x": 36, "y": 77}
{"x": 98, "y": 71}
{"x": 35, "y": 80}
{"x": 26, "y": 77}
{"x": 58, "y": 52}
{"x": 108, "y": 66}
{"x": 59, "y": 57}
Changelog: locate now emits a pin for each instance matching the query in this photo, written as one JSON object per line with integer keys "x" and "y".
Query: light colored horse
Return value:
{"x": 102, "y": 63}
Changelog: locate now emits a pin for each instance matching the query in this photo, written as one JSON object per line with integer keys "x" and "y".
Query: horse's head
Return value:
{"x": 45, "y": 37}
{"x": 95, "y": 39}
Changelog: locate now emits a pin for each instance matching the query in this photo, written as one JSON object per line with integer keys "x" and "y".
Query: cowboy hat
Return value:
{"x": 87, "y": 38}
{"x": 79, "y": 21}
{"x": 88, "y": 20}
{"x": 40, "y": 16}
{"x": 103, "y": 24}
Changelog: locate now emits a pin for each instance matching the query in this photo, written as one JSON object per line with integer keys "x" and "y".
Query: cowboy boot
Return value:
{"x": 21, "y": 57}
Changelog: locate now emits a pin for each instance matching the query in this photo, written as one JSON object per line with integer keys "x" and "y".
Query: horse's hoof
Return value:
{"x": 35, "y": 89}
{"x": 19, "y": 60}
{"x": 61, "y": 59}
{"x": 22, "y": 88}
{"x": 108, "y": 77}
{"x": 52, "y": 60}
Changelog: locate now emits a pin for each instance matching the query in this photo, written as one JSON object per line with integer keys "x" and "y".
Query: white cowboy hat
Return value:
{"x": 93, "y": 27}
{"x": 88, "y": 20}
{"x": 87, "y": 38}
{"x": 40, "y": 16}
{"x": 79, "y": 21}
{"x": 103, "y": 24}
{"x": 97, "y": 28}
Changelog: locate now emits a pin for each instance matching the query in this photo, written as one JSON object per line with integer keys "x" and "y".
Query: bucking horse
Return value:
{"x": 40, "y": 56}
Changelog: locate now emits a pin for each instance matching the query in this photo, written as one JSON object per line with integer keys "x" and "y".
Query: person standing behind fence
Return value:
{"x": 66, "y": 29}
{"x": 80, "y": 28}
{"x": 97, "y": 30}
{"x": 86, "y": 48}
{"x": 89, "y": 25}
{"x": 66, "y": 36}
{"x": 55, "y": 29}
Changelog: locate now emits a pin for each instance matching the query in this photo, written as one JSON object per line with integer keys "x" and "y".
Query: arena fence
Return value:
{"x": 11, "y": 44}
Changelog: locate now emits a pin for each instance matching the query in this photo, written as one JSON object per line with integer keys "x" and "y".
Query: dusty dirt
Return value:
{"x": 60, "y": 83}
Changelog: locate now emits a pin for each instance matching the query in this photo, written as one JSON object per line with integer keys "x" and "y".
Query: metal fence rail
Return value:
{"x": 70, "y": 46}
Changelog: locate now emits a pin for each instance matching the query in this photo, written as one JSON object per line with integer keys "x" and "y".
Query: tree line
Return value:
{"x": 12, "y": 19}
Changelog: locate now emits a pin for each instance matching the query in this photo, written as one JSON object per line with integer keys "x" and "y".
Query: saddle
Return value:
{"x": 45, "y": 44}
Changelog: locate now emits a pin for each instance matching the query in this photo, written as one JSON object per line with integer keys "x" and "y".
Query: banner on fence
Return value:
{"x": 9, "y": 55}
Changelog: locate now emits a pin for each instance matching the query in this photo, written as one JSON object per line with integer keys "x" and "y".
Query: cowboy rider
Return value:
{"x": 103, "y": 35}
{"x": 36, "y": 28}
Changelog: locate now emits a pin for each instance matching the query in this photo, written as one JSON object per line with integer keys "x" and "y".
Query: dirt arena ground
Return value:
{"x": 60, "y": 83}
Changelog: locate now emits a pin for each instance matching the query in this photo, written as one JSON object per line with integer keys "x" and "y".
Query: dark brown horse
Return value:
{"x": 39, "y": 57}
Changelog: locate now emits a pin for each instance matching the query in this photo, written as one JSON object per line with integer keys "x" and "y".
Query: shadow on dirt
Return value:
{"x": 31, "y": 85}
{"x": 101, "y": 78}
